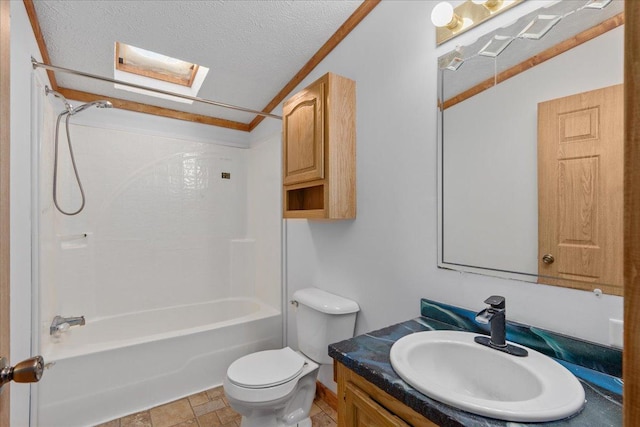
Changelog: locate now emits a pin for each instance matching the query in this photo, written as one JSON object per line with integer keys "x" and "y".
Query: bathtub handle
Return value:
{"x": 62, "y": 324}
{"x": 27, "y": 371}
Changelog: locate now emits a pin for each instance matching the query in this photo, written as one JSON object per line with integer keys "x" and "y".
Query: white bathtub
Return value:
{"x": 119, "y": 365}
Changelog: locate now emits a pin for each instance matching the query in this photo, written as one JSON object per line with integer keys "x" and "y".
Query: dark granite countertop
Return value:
{"x": 368, "y": 356}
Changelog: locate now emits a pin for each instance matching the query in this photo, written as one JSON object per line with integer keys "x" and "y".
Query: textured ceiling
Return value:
{"x": 252, "y": 47}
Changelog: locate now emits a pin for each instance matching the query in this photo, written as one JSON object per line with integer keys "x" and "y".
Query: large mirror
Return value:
{"x": 530, "y": 155}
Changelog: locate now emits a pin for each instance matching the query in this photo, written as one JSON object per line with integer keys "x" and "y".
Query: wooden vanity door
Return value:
{"x": 580, "y": 190}
{"x": 363, "y": 411}
{"x": 303, "y": 136}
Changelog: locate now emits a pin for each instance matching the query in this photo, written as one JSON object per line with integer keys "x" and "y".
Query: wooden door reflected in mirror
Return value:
{"x": 580, "y": 166}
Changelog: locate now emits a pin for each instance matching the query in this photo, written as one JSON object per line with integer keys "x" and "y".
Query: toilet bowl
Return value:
{"x": 272, "y": 388}
{"x": 276, "y": 388}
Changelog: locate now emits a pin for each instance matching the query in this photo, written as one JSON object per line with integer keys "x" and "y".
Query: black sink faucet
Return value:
{"x": 494, "y": 315}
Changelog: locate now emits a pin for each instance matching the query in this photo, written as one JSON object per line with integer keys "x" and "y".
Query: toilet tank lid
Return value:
{"x": 325, "y": 302}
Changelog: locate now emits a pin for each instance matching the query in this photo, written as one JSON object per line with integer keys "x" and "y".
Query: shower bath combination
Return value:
{"x": 68, "y": 112}
{"x": 111, "y": 265}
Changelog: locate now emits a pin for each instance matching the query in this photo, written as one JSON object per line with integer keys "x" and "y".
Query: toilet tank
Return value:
{"x": 323, "y": 318}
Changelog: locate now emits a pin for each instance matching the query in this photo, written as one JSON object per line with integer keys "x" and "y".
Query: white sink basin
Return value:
{"x": 450, "y": 367}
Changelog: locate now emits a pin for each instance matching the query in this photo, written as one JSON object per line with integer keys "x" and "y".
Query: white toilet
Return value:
{"x": 275, "y": 388}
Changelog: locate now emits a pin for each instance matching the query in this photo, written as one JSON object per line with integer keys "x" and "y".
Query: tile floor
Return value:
{"x": 208, "y": 409}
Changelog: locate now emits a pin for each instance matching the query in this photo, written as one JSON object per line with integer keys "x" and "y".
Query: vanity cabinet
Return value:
{"x": 362, "y": 404}
{"x": 319, "y": 148}
{"x": 363, "y": 411}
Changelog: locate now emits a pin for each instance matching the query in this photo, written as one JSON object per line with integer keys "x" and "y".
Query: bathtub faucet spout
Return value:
{"x": 62, "y": 324}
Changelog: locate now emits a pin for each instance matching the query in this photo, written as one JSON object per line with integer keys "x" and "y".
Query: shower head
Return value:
{"x": 98, "y": 104}
{"x": 68, "y": 106}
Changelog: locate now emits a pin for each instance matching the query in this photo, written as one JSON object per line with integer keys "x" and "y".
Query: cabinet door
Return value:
{"x": 303, "y": 136}
{"x": 362, "y": 411}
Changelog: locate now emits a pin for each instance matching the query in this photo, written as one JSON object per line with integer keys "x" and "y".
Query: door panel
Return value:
{"x": 580, "y": 157}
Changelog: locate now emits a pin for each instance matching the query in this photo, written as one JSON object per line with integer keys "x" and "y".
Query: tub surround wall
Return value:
{"x": 162, "y": 233}
{"x": 158, "y": 215}
{"x": 242, "y": 271}
{"x": 264, "y": 210}
{"x": 157, "y": 229}
{"x": 597, "y": 367}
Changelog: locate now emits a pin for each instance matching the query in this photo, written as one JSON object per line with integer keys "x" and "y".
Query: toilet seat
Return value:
{"x": 265, "y": 369}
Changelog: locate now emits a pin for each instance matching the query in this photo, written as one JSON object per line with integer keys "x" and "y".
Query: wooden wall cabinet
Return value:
{"x": 319, "y": 150}
{"x": 362, "y": 404}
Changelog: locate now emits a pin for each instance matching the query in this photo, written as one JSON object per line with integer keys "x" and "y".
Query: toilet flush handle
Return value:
{"x": 294, "y": 303}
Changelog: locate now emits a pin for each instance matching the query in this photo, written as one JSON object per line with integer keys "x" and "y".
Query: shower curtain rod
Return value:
{"x": 37, "y": 64}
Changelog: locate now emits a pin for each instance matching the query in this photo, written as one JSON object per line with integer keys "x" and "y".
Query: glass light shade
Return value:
{"x": 454, "y": 64}
{"x": 495, "y": 46}
{"x": 597, "y": 4}
{"x": 442, "y": 14}
{"x": 539, "y": 26}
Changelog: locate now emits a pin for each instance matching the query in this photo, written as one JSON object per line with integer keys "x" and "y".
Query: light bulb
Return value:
{"x": 443, "y": 16}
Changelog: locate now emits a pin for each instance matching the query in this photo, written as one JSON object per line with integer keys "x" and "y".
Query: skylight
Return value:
{"x": 146, "y": 68}
{"x": 151, "y": 64}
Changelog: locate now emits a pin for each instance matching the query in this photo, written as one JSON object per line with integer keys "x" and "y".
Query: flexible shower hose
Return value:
{"x": 73, "y": 162}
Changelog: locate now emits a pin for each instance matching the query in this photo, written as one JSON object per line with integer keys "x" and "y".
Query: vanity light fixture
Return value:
{"x": 450, "y": 21}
